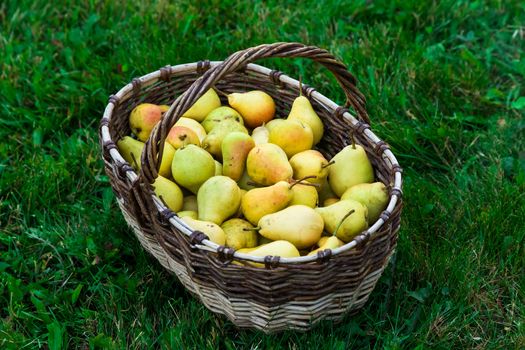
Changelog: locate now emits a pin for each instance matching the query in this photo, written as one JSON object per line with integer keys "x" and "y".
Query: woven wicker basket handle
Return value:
{"x": 153, "y": 149}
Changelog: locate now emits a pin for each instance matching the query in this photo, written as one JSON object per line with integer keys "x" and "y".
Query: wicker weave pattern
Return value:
{"x": 289, "y": 293}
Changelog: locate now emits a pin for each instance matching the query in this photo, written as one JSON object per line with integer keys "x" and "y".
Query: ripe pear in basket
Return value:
{"x": 261, "y": 288}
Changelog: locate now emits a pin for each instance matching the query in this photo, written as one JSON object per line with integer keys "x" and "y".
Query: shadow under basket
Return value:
{"x": 287, "y": 293}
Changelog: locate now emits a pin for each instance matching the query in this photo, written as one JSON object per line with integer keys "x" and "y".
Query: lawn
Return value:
{"x": 444, "y": 81}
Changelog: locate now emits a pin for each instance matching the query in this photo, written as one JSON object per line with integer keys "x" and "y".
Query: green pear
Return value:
{"x": 265, "y": 200}
{"x": 310, "y": 163}
{"x": 374, "y": 196}
{"x": 131, "y": 149}
{"x": 214, "y": 232}
{"x": 280, "y": 248}
{"x": 300, "y": 225}
{"x": 143, "y": 119}
{"x": 326, "y": 191}
{"x": 304, "y": 194}
{"x": 192, "y": 166}
{"x": 189, "y": 203}
{"x": 194, "y": 125}
{"x": 267, "y": 164}
{"x": 239, "y": 210}
{"x": 203, "y": 106}
{"x": 169, "y": 192}
{"x": 235, "y": 148}
{"x": 293, "y": 136}
{"x": 256, "y": 107}
{"x": 218, "y": 168}
{"x": 213, "y": 141}
{"x": 260, "y": 135}
{"x": 239, "y": 234}
{"x": 331, "y": 242}
{"x": 220, "y": 114}
{"x": 218, "y": 199}
{"x": 246, "y": 182}
{"x": 180, "y": 136}
{"x": 263, "y": 240}
{"x": 302, "y": 110}
{"x": 344, "y": 228}
{"x": 192, "y": 214}
{"x": 351, "y": 167}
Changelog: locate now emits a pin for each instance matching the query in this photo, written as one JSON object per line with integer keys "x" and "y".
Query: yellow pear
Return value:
{"x": 192, "y": 214}
{"x": 214, "y": 232}
{"x": 300, "y": 225}
{"x": 180, "y": 136}
{"x": 169, "y": 192}
{"x": 310, "y": 163}
{"x": 256, "y": 107}
{"x": 220, "y": 114}
{"x": 194, "y": 125}
{"x": 260, "y": 135}
{"x": 330, "y": 201}
{"x": 192, "y": 166}
{"x": 143, "y": 119}
{"x": 323, "y": 240}
{"x": 338, "y": 221}
{"x": 131, "y": 149}
{"x": 374, "y": 196}
{"x": 259, "y": 202}
{"x": 293, "y": 136}
{"x": 235, "y": 148}
{"x": 351, "y": 167}
{"x": 190, "y": 203}
{"x": 164, "y": 108}
{"x": 267, "y": 164}
{"x": 239, "y": 234}
{"x": 204, "y": 105}
{"x": 302, "y": 110}
{"x": 167, "y": 158}
{"x": 213, "y": 141}
{"x": 331, "y": 242}
{"x": 304, "y": 194}
{"x": 280, "y": 248}
{"x": 218, "y": 199}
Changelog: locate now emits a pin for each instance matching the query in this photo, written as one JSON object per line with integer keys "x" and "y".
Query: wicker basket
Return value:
{"x": 288, "y": 293}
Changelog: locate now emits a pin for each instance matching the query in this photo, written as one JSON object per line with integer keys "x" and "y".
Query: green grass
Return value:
{"x": 444, "y": 82}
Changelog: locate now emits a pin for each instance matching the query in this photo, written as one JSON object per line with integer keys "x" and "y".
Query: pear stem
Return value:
{"x": 301, "y": 181}
{"x": 341, "y": 222}
{"x": 257, "y": 228}
{"x": 300, "y": 86}
{"x": 251, "y": 183}
{"x": 135, "y": 163}
{"x": 310, "y": 184}
{"x": 220, "y": 92}
{"x": 328, "y": 164}
{"x": 352, "y": 138}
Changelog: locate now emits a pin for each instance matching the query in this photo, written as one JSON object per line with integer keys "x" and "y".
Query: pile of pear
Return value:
{"x": 254, "y": 182}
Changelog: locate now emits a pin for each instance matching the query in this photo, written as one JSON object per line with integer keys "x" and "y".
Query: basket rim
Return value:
{"x": 207, "y": 245}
